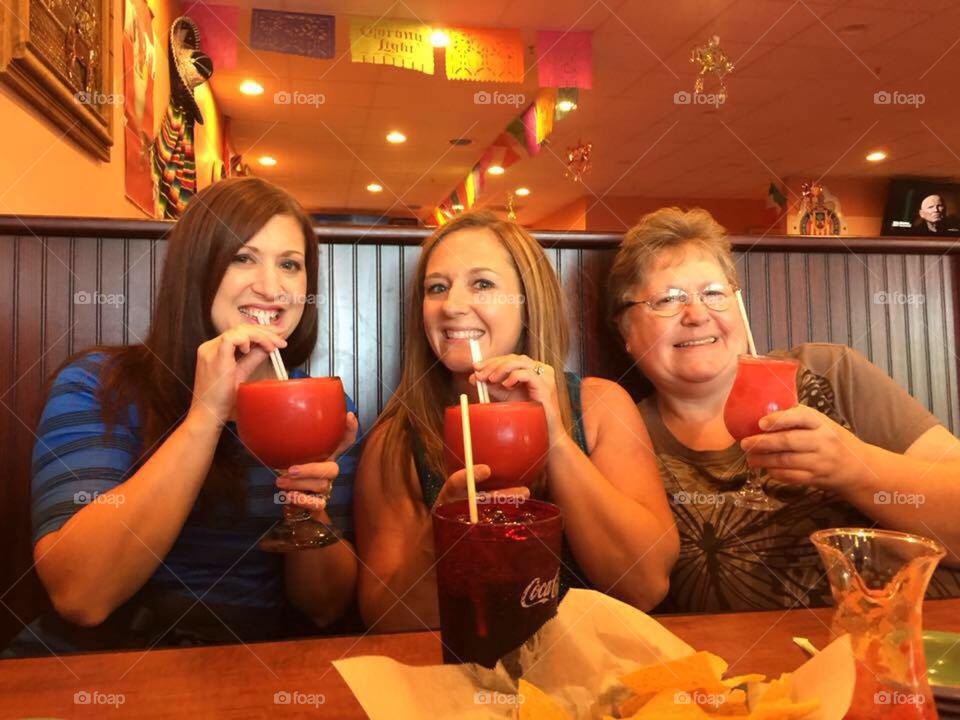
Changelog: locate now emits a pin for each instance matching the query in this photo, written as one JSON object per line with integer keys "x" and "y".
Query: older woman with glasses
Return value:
{"x": 855, "y": 441}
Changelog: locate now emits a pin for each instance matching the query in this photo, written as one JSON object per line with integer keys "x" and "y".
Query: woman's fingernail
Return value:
{"x": 764, "y": 423}
{"x": 293, "y": 472}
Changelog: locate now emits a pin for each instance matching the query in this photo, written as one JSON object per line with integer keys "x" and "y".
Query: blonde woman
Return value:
{"x": 483, "y": 278}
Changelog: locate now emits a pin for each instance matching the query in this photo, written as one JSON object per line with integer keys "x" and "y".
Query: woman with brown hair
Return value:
{"x": 486, "y": 279}
{"x": 856, "y": 439}
{"x": 146, "y": 508}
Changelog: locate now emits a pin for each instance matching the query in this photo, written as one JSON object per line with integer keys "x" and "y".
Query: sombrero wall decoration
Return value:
{"x": 174, "y": 162}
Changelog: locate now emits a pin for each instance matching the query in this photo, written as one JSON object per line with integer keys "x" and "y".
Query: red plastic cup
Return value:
{"x": 288, "y": 422}
{"x": 497, "y": 581}
{"x": 510, "y": 437}
{"x": 763, "y": 385}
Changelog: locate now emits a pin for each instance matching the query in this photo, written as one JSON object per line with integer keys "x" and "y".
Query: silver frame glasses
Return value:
{"x": 684, "y": 298}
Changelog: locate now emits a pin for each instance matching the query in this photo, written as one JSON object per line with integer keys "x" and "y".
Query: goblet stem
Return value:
{"x": 753, "y": 496}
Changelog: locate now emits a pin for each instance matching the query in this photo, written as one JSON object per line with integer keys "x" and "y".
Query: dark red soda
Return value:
{"x": 498, "y": 580}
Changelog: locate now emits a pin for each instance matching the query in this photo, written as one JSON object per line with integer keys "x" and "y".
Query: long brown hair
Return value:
{"x": 415, "y": 412}
{"x": 158, "y": 375}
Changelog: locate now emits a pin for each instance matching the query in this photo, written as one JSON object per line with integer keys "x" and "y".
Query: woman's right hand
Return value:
{"x": 455, "y": 488}
{"x": 226, "y": 361}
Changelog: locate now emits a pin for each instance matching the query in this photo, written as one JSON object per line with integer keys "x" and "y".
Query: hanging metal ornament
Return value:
{"x": 712, "y": 61}
{"x": 578, "y": 161}
{"x": 511, "y": 213}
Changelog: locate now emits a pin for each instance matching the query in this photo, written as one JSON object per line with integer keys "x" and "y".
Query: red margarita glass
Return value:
{"x": 497, "y": 580}
{"x": 763, "y": 385}
{"x": 290, "y": 422}
{"x": 510, "y": 437}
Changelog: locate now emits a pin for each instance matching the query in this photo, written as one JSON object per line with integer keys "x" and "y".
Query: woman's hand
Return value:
{"x": 309, "y": 485}
{"x": 226, "y": 361}
{"x": 802, "y": 445}
{"x": 455, "y": 488}
{"x": 518, "y": 377}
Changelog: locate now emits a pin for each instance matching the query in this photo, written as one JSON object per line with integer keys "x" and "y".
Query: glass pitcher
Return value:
{"x": 878, "y": 579}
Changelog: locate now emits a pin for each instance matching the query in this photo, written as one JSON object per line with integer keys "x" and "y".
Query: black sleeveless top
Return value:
{"x": 571, "y": 576}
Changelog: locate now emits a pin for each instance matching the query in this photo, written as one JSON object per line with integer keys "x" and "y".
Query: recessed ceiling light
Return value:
{"x": 877, "y": 156}
{"x": 522, "y": 191}
{"x": 375, "y": 187}
{"x": 267, "y": 160}
{"x": 439, "y": 38}
{"x": 496, "y": 170}
{"x": 396, "y": 137}
{"x": 566, "y": 106}
{"x": 251, "y": 87}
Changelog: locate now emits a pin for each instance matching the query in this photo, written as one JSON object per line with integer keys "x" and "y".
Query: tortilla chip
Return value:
{"x": 738, "y": 680}
{"x": 537, "y": 705}
{"x": 783, "y": 710}
{"x": 671, "y": 705}
{"x": 700, "y": 671}
{"x": 734, "y": 705}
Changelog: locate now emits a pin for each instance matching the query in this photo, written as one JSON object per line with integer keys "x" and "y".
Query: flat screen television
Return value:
{"x": 922, "y": 207}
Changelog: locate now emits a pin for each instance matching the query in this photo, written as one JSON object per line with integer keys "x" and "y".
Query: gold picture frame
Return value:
{"x": 58, "y": 55}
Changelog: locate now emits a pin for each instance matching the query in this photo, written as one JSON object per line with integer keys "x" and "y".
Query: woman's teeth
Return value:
{"x": 462, "y": 334}
{"x": 694, "y": 343}
{"x": 271, "y": 315}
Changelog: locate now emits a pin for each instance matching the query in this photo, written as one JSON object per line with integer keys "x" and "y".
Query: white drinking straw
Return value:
{"x": 746, "y": 323}
{"x": 278, "y": 367}
{"x": 482, "y": 391}
{"x": 468, "y": 458}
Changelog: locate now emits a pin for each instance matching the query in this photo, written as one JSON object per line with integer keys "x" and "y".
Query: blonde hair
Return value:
{"x": 662, "y": 231}
{"x": 415, "y": 412}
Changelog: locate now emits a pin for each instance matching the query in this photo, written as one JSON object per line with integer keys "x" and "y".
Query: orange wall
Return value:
{"x": 739, "y": 216}
{"x": 568, "y": 217}
{"x": 44, "y": 173}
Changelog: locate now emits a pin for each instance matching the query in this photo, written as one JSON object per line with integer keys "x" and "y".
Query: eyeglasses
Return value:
{"x": 716, "y": 297}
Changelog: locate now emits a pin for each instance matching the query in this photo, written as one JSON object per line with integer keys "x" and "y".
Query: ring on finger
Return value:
{"x": 538, "y": 370}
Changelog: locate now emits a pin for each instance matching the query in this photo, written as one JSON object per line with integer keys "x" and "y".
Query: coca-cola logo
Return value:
{"x": 540, "y": 591}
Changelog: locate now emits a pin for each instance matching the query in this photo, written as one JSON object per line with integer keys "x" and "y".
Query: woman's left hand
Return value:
{"x": 518, "y": 377}
{"x": 802, "y": 445}
{"x": 300, "y": 480}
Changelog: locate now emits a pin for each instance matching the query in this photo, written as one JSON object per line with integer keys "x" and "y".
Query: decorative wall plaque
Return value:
{"x": 58, "y": 55}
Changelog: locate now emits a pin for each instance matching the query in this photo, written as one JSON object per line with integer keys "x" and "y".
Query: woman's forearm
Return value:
{"x": 911, "y": 495}
{"x": 405, "y": 598}
{"x": 321, "y": 582}
{"x": 621, "y": 545}
{"x": 110, "y": 548}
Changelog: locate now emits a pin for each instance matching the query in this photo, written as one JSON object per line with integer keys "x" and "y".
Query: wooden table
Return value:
{"x": 239, "y": 681}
